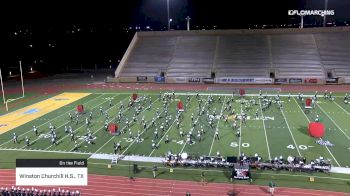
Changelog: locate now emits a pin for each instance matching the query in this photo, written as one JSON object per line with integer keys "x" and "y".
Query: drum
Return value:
{"x": 290, "y": 159}
{"x": 184, "y": 156}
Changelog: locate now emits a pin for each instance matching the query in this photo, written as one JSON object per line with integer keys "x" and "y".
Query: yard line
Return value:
{"x": 307, "y": 118}
{"x": 249, "y": 95}
{"x": 334, "y": 122}
{"x": 227, "y": 94}
{"x": 121, "y": 129}
{"x": 162, "y": 138}
{"x": 183, "y": 147}
{"x": 103, "y": 125}
{"x": 263, "y": 120}
{"x": 285, "y": 119}
{"x": 49, "y": 121}
{"x": 145, "y": 130}
{"x": 85, "y": 125}
{"x": 240, "y": 133}
{"x": 127, "y": 148}
{"x": 217, "y": 125}
{"x": 62, "y": 126}
{"x": 50, "y": 151}
{"x": 341, "y": 108}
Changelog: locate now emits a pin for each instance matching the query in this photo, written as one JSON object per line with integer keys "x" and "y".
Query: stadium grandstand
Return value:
{"x": 268, "y": 54}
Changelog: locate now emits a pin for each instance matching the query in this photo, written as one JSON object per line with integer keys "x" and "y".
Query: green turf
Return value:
{"x": 285, "y": 135}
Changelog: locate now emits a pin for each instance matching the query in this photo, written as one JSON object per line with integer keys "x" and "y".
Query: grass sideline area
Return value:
{"x": 285, "y": 135}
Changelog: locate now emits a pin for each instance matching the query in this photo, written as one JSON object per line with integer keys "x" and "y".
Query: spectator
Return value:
{"x": 249, "y": 174}
{"x": 272, "y": 186}
{"x": 233, "y": 174}
{"x": 154, "y": 170}
{"x": 34, "y": 192}
{"x": 203, "y": 179}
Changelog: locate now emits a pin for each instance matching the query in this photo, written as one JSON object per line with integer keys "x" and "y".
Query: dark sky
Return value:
{"x": 102, "y": 35}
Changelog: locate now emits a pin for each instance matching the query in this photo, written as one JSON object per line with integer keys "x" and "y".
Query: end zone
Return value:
{"x": 19, "y": 117}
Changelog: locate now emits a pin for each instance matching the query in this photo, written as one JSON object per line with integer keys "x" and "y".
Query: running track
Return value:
{"x": 117, "y": 185}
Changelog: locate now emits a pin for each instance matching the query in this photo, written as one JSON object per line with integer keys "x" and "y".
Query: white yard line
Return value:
{"x": 240, "y": 133}
{"x": 250, "y": 95}
{"x": 309, "y": 122}
{"x": 217, "y": 125}
{"x": 49, "y": 151}
{"x": 162, "y": 138}
{"x": 341, "y": 108}
{"x": 334, "y": 122}
{"x": 121, "y": 129}
{"x": 103, "y": 125}
{"x": 49, "y": 121}
{"x": 127, "y": 148}
{"x": 183, "y": 147}
{"x": 221, "y": 94}
{"x": 84, "y": 124}
{"x": 140, "y": 134}
{"x": 296, "y": 145}
{"x": 263, "y": 120}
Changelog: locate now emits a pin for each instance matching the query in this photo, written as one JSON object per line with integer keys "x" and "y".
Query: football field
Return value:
{"x": 271, "y": 133}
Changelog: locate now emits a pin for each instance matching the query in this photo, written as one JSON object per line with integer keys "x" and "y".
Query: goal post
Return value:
{"x": 2, "y": 88}
{"x": 3, "y": 92}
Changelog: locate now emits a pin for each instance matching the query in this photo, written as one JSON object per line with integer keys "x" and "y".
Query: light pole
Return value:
{"x": 170, "y": 20}
{"x": 167, "y": 2}
{"x": 325, "y": 8}
{"x": 188, "y": 22}
{"x": 302, "y": 22}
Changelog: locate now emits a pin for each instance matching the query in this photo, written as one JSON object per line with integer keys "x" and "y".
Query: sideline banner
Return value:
{"x": 310, "y": 80}
{"x": 263, "y": 80}
{"x": 194, "y": 80}
{"x": 159, "y": 79}
{"x": 142, "y": 78}
{"x": 346, "y": 80}
{"x": 281, "y": 80}
{"x": 333, "y": 80}
{"x": 244, "y": 80}
{"x": 208, "y": 80}
{"x": 181, "y": 80}
{"x": 295, "y": 80}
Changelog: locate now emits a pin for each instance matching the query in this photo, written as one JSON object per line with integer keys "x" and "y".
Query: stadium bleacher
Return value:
{"x": 288, "y": 53}
{"x": 335, "y": 52}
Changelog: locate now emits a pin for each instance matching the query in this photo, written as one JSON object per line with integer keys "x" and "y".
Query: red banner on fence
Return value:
{"x": 310, "y": 80}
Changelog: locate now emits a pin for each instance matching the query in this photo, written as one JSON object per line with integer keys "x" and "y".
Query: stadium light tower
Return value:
{"x": 170, "y": 20}
{"x": 167, "y": 3}
{"x": 188, "y": 22}
{"x": 325, "y": 8}
{"x": 302, "y": 22}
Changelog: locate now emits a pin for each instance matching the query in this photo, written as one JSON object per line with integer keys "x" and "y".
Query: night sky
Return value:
{"x": 51, "y": 36}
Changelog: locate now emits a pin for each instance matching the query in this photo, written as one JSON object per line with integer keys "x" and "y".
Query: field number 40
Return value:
{"x": 301, "y": 147}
